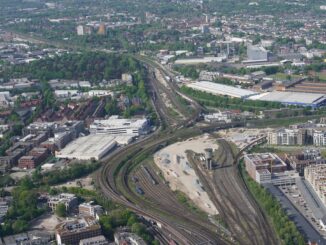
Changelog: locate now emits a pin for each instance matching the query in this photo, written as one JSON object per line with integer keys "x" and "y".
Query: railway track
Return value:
{"x": 180, "y": 225}
{"x": 254, "y": 229}
{"x": 225, "y": 190}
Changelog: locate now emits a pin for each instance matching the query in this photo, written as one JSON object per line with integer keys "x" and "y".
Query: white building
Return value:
{"x": 220, "y": 116}
{"x": 203, "y": 60}
{"x": 128, "y": 238}
{"x": 221, "y": 89}
{"x": 66, "y": 93}
{"x": 80, "y": 30}
{"x": 97, "y": 240}
{"x": 120, "y": 126}
{"x": 5, "y": 100}
{"x": 69, "y": 200}
{"x": 126, "y": 77}
{"x": 83, "y": 30}
{"x": 88, "y": 209}
{"x": 319, "y": 138}
{"x": 88, "y": 147}
{"x": 263, "y": 176}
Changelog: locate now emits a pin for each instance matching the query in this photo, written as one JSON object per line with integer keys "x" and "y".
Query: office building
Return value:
{"x": 261, "y": 166}
{"x": 257, "y": 53}
{"x": 84, "y": 30}
{"x": 73, "y": 231}
{"x": 88, "y": 209}
{"x": 97, "y": 240}
{"x": 69, "y": 200}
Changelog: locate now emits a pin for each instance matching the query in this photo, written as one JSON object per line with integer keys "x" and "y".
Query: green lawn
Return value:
{"x": 283, "y": 76}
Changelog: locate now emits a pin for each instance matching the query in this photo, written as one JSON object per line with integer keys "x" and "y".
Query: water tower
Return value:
{"x": 209, "y": 157}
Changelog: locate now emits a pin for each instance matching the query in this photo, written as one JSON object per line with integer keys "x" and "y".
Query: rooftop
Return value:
{"x": 91, "y": 146}
{"x": 221, "y": 89}
{"x": 290, "y": 97}
{"x": 115, "y": 121}
{"x": 77, "y": 225}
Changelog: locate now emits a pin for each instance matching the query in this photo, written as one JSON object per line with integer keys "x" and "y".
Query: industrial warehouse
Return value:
{"x": 293, "y": 98}
{"x": 220, "y": 89}
{"x": 313, "y": 100}
{"x": 88, "y": 147}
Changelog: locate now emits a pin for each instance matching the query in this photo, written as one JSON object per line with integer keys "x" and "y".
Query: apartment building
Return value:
{"x": 316, "y": 176}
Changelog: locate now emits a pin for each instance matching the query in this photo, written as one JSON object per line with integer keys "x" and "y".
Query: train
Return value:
{"x": 139, "y": 190}
{"x": 134, "y": 179}
{"x": 149, "y": 176}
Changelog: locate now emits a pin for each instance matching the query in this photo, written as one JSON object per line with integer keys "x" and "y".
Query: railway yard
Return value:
{"x": 129, "y": 178}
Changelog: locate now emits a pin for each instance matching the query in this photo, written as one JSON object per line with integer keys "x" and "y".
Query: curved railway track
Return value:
{"x": 113, "y": 176}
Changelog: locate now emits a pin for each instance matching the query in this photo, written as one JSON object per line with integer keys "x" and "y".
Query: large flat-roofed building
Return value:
{"x": 88, "y": 147}
{"x": 203, "y": 60}
{"x": 72, "y": 232}
{"x": 29, "y": 238}
{"x": 313, "y": 100}
{"x": 316, "y": 176}
{"x": 120, "y": 126}
{"x": 258, "y": 163}
{"x": 257, "y": 53}
{"x": 221, "y": 89}
{"x": 97, "y": 240}
{"x": 69, "y": 200}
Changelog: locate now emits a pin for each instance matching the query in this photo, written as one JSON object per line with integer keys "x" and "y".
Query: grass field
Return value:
{"x": 283, "y": 76}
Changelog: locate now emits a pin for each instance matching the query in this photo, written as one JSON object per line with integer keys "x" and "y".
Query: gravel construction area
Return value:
{"x": 241, "y": 137}
{"x": 176, "y": 169}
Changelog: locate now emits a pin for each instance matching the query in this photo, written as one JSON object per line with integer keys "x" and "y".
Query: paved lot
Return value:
{"x": 296, "y": 216}
{"x": 311, "y": 198}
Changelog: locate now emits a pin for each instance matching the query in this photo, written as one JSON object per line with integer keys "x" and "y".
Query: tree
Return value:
{"x": 138, "y": 228}
{"x": 19, "y": 226}
{"x": 61, "y": 210}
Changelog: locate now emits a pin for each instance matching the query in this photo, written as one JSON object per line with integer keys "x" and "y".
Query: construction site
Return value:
{"x": 180, "y": 175}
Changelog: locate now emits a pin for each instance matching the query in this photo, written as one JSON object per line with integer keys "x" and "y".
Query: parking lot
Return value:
{"x": 298, "y": 216}
{"x": 304, "y": 205}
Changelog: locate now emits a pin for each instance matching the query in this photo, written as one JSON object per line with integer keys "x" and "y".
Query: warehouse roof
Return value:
{"x": 91, "y": 146}
{"x": 295, "y": 98}
{"x": 221, "y": 89}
